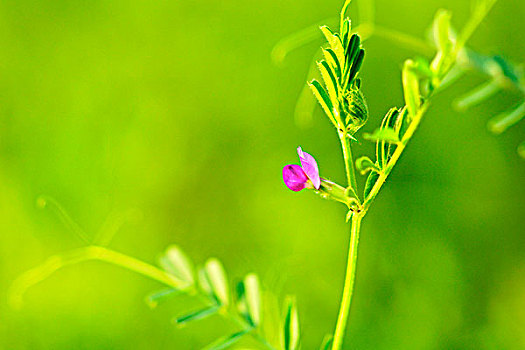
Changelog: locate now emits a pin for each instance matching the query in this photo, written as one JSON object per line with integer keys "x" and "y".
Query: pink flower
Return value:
{"x": 305, "y": 176}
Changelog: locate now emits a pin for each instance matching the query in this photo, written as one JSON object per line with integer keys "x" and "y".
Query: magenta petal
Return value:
{"x": 294, "y": 177}
{"x": 309, "y": 166}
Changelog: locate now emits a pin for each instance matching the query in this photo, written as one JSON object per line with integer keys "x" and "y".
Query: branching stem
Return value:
{"x": 94, "y": 252}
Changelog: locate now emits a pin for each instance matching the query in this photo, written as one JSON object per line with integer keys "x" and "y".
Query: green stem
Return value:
{"x": 54, "y": 263}
{"x": 349, "y": 163}
{"x": 346, "y": 301}
{"x": 93, "y": 252}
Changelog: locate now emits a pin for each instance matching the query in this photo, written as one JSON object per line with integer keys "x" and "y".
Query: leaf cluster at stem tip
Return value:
{"x": 345, "y": 106}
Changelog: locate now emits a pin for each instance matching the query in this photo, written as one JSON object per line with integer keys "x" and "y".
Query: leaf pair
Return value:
{"x": 213, "y": 283}
{"x": 211, "y": 279}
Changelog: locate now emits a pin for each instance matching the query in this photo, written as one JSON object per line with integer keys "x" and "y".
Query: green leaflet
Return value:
{"x": 441, "y": 31}
{"x": 335, "y": 43}
{"x": 411, "y": 88}
{"x": 178, "y": 264}
{"x": 352, "y": 49}
{"x": 197, "y": 315}
{"x": 216, "y": 276}
{"x": 324, "y": 100}
{"x": 351, "y": 54}
{"x": 370, "y": 182}
{"x": 331, "y": 58}
{"x": 227, "y": 341}
{"x": 356, "y": 66}
{"x": 253, "y": 298}
{"x": 346, "y": 30}
{"x": 330, "y": 82}
{"x": 290, "y": 326}
{"x": 249, "y": 301}
{"x": 443, "y": 40}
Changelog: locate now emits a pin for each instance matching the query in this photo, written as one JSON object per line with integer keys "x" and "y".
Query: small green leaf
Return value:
{"x": 346, "y": 29}
{"x": 154, "y": 299}
{"x": 227, "y": 341}
{"x": 335, "y": 43}
{"x": 370, "y": 182}
{"x": 253, "y": 298}
{"x": 444, "y": 42}
{"x": 356, "y": 66}
{"x": 178, "y": 264}
{"x": 383, "y": 134}
{"x": 331, "y": 58}
{"x": 324, "y": 100}
{"x": 411, "y": 88}
{"x": 330, "y": 81}
{"x": 365, "y": 164}
{"x": 218, "y": 281}
{"x": 441, "y": 31}
{"x": 290, "y": 326}
{"x": 352, "y": 50}
{"x": 197, "y": 315}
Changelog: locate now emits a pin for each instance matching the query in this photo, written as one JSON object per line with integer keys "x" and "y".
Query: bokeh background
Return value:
{"x": 174, "y": 112}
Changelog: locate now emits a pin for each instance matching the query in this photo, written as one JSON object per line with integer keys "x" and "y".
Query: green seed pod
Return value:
{"x": 355, "y": 110}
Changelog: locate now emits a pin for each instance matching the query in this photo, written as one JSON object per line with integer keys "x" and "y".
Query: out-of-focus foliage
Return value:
{"x": 169, "y": 120}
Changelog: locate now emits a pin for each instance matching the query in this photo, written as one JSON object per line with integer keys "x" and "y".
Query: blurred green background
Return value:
{"x": 174, "y": 110}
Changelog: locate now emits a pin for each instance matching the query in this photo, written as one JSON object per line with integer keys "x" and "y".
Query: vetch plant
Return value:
{"x": 343, "y": 102}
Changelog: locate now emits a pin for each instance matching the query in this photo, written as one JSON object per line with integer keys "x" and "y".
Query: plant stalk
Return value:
{"x": 346, "y": 300}
{"x": 349, "y": 163}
